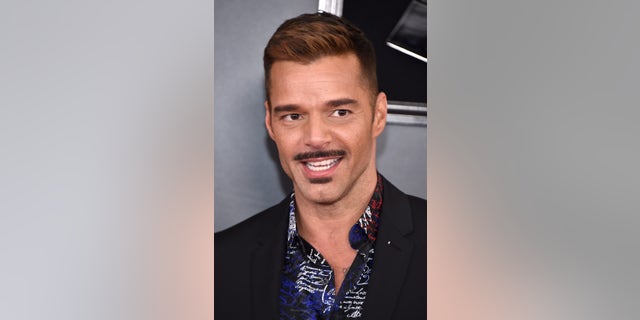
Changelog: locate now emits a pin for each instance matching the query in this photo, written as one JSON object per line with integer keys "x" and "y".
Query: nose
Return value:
{"x": 317, "y": 133}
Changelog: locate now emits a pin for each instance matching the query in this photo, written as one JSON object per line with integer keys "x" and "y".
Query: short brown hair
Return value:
{"x": 312, "y": 36}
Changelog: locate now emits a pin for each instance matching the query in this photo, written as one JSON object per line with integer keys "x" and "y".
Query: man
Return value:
{"x": 346, "y": 244}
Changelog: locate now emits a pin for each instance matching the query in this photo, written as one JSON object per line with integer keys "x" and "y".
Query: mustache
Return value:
{"x": 319, "y": 154}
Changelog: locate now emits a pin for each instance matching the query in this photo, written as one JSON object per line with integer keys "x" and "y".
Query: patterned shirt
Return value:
{"x": 307, "y": 290}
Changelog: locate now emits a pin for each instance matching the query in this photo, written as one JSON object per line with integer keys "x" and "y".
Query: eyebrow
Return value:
{"x": 285, "y": 108}
{"x": 331, "y": 103}
{"x": 340, "y": 102}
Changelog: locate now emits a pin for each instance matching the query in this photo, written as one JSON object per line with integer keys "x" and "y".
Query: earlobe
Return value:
{"x": 267, "y": 119}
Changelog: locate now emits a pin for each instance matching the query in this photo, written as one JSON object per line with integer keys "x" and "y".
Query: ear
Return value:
{"x": 380, "y": 114}
{"x": 267, "y": 118}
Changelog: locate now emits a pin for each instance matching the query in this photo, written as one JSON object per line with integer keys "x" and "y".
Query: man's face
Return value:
{"x": 323, "y": 123}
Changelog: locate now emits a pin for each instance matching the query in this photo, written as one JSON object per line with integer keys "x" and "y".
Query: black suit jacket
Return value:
{"x": 249, "y": 257}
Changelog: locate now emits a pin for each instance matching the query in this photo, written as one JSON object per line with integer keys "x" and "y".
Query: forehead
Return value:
{"x": 335, "y": 73}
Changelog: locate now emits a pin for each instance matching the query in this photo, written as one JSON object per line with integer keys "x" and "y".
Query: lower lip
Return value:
{"x": 322, "y": 173}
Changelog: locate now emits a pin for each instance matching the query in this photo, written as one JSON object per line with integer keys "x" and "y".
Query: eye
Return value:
{"x": 291, "y": 117}
{"x": 341, "y": 113}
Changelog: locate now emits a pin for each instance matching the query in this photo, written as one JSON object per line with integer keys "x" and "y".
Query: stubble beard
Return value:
{"x": 320, "y": 180}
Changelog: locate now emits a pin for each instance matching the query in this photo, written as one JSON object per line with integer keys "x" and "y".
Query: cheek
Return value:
{"x": 286, "y": 146}
{"x": 364, "y": 149}
{"x": 284, "y": 158}
{"x": 360, "y": 139}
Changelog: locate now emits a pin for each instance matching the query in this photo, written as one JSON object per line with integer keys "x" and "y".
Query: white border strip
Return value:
{"x": 403, "y": 50}
{"x": 396, "y": 115}
{"x": 406, "y": 106}
{"x": 406, "y": 119}
{"x": 331, "y": 6}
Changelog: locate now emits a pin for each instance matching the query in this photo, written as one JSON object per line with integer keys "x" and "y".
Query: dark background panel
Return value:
{"x": 401, "y": 77}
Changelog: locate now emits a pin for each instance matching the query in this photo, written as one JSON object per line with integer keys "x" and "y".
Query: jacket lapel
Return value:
{"x": 392, "y": 255}
{"x": 266, "y": 265}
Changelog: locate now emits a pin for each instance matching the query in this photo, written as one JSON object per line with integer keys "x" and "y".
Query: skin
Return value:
{"x": 318, "y": 107}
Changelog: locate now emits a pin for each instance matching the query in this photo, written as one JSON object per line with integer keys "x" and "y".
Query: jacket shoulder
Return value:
{"x": 235, "y": 252}
{"x": 418, "y": 211}
{"x": 252, "y": 227}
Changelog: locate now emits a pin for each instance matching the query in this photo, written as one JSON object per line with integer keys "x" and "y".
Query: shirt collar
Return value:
{"x": 364, "y": 231}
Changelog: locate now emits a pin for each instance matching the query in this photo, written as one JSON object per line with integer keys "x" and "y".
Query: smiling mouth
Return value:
{"x": 322, "y": 165}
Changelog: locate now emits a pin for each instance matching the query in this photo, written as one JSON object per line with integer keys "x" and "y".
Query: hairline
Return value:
{"x": 364, "y": 80}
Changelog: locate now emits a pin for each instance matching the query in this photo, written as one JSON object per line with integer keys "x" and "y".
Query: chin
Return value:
{"x": 322, "y": 193}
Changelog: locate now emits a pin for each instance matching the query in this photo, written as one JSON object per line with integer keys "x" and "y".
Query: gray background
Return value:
{"x": 106, "y": 163}
{"x": 533, "y": 177}
{"x": 248, "y": 177}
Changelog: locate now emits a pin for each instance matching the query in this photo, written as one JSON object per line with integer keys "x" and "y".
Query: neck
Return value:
{"x": 334, "y": 220}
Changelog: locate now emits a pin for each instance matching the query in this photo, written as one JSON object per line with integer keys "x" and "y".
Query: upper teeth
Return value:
{"x": 321, "y": 165}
